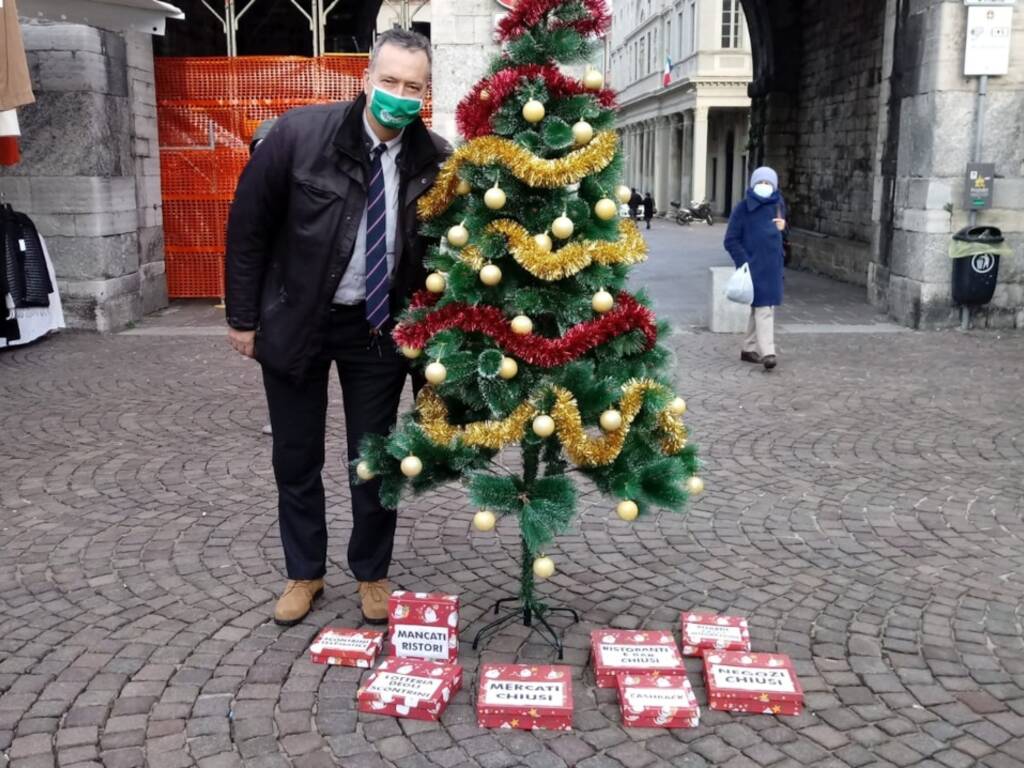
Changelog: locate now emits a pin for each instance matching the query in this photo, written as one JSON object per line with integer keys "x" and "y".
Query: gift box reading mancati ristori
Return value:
{"x": 423, "y": 626}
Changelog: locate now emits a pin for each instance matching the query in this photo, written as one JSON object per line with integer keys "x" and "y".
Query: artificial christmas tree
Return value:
{"x": 525, "y": 330}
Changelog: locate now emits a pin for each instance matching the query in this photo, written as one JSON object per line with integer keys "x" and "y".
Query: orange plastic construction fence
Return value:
{"x": 207, "y": 111}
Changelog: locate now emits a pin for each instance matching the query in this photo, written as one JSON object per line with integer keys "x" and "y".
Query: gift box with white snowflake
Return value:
{"x": 657, "y": 701}
{"x": 704, "y": 631}
{"x": 423, "y": 626}
{"x": 614, "y": 651}
{"x": 347, "y": 647}
{"x": 419, "y": 690}
{"x": 765, "y": 683}
{"x": 525, "y": 696}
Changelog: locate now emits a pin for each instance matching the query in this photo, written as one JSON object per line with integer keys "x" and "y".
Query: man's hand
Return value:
{"x": 243, "y": 342}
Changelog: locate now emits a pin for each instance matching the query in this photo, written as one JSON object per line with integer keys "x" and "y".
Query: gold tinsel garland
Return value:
{"x": 630, "y": 248}
{"x": 582, "y": 449}
{"x": 525, "y": 166}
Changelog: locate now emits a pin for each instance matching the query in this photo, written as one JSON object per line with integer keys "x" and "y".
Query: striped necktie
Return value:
{"x": 377, "y": 283}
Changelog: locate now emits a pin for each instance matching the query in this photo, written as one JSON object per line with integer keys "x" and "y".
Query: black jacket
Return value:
{"x": 294, "y": 221}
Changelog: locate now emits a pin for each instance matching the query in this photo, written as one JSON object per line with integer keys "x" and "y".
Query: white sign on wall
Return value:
{"x": 989, "y": 29}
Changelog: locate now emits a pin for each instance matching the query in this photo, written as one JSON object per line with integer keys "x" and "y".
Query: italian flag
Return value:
{"x": 666, "y": 79}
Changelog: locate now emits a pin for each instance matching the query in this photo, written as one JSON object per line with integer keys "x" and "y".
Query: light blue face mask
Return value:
{"x": 763, "y": 190}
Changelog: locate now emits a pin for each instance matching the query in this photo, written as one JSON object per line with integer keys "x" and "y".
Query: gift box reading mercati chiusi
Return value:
{"x": 525, "y": 696}
{"x": 705, "y": 631}
{"x": 423, "y": 626}
{"x": 765, "y": 683}
{"x": 615, "y": 650}
{"x": 657, "y": 701}
{"x": 419, "y": 690}
{"x": 347, "y": 647}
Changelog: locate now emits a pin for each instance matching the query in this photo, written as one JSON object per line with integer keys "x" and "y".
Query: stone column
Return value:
{"x": 700, "y": 153}
{"x": 674, "y": 168}
{"x": 662, "y": 169}
{"x": 686, "y": 157}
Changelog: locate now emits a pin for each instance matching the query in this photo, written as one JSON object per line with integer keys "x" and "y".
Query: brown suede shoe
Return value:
{"x": 296, "y": 601}
{"x": 770, "y": 362}
{"x": 750, "y": 357}
{"x": 374, "y": 595}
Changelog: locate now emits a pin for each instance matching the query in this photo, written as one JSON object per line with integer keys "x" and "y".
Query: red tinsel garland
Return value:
{"x": 529, "y": 13}
{"x": 473, "y": 115}
{"x": 627, "y": 315}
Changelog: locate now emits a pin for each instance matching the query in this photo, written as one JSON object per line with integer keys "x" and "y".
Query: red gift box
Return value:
{"x": 703, "y": 631}
{"x": 525, "y": 696}
{"x": 347, "y": 647}
{"x": 419, "y": 690}
{"x": 423, "y": 626}
{"x": 765, "y": 683}
{"x": 657, "y": 701}
{"x": 616, "y": 650}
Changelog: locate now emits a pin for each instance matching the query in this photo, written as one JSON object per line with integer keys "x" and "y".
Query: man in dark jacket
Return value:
{"x": 635, "y": 201}
{"x": 648, "y": 208}
{"x": 322, "y": 255}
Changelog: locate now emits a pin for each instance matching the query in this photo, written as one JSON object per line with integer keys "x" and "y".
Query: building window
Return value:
{"x": 668, "y": 40}
{"x": 643, "y": 56}
{"x": 732, "y": 33}
{"x": 693, "y": 26}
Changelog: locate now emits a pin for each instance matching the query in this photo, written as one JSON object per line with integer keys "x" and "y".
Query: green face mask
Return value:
{"x": 394, "y": 112}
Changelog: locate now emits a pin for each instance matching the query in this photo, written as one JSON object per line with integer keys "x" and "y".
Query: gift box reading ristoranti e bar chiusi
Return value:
{"x": 657, "y": 701}
{"x": 423, "y": 626}
{"x": 704, "y": 631}
{"x": 347, "y": 647}
{"x": 419, "y": 690}
{"x": 525, "y": 696}
{"x": 615, "y": 650}
{"x": 765, "y": 683}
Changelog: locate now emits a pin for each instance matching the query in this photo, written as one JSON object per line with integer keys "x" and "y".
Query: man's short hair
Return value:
{"x": 403, "y": 38}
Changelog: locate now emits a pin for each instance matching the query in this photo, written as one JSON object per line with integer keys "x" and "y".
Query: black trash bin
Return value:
{"x": 975, "y": 252}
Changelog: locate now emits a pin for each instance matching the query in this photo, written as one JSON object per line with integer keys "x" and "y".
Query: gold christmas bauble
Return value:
{"x": 562, "y": 227}
{"x": 436, "y": 282}
{"x": 509, "y": 368}
{"x": 490, "y": 274}
{"x": 494, "y": 198}
{"x": 695, "y": 485}
{"x": 594, "y": 80}
{"x": 544, "y": 426}
{"x": 602, "y": 301}
{"x": 582, "y": 133}
{"x": 463, "y": 188}
{"x": 522, "y": 325}
{"x": 627, "y": 510}
{"x": 624, "y": 193}
{"x": 533, "y": 111}
{"x": 611, "y": 420}
{"x": 543, "y": 567}
{"x": 677, "y": 407}
{"x": 606, "y": 209}
{"x": 436, "y": 373}
{"x": 484, "y": 520}
{"x": 412, "y": 352}
{"x": 458, "y": 236}
{"x": 485, "y": 95}
{"x": 543, "y": 241}
{"x": 411, "y": 466}
{"x": 363, "y": 471}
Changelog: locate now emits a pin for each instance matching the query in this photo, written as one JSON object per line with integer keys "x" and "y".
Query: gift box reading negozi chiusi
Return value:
{"x": 765, "y": 683}
{"x": 657, "y": 701}
{"x": 615, "y": 650}
{"x": 419, "y": 690}
{"x": 347, "y": 647}
{"x": 423, "y": 626}
{"x": 704, "y": 631}
{"x": 525, "y": 696}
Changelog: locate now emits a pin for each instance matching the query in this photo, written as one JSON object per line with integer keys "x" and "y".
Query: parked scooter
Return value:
{"x": 693, "y": 212}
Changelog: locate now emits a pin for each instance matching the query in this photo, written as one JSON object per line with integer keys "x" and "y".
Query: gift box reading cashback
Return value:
{"x": 419, "y": 690}
{"x": 703, "y": 631}
{"x": 615, "y": 651}
{"x": 657, "y": 701}
{"x": 347, "y": 647}
{"x": 525, "y": 696}
{"x": 423, "y": 626}
{"x": 765, "y": 683}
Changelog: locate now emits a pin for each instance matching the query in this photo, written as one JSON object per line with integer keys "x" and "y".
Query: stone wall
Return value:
{"x": 90, "y": 173}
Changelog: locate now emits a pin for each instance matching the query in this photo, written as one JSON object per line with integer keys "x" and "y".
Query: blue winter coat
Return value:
{"x": 753, "y": 238}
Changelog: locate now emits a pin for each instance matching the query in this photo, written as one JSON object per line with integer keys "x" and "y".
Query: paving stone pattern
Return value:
{"x": 863, "y": 508}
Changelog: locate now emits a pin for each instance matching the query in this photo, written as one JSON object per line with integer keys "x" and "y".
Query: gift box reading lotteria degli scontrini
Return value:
{"x": 419, "y": 690}
{"x": 346, "y": 647}
{"x": 706, "y": 631}
{"x": 653, "y": 700}
{"x": 616, "y": 650}
{"x": 525, "y": 696}
{"x": 423, "y": 626}
{"x": 765, "y": 683}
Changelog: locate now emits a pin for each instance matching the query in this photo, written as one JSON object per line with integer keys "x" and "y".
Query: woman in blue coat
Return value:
{"x": 754, "y": 237}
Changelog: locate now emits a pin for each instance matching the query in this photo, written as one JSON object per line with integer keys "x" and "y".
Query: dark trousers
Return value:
{"x": 372, "y": 374}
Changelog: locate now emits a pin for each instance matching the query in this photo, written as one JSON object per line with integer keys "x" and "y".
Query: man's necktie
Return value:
{"x": 377, "y": 283}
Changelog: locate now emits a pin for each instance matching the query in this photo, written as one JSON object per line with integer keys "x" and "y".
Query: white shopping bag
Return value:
{"x": 740, "y": 287}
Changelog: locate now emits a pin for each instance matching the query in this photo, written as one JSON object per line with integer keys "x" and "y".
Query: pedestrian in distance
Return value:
{"x": 648, "y": 209}
{"x": 635, "y": 201}
{"x": 754, "y": 237}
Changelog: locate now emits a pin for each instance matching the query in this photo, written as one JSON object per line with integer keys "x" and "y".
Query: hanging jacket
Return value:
{"x": 15, "y": 86}
{"x": 752, "y": 238}
{"x": 25, "y": 276}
